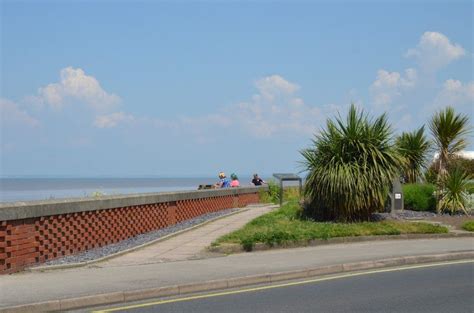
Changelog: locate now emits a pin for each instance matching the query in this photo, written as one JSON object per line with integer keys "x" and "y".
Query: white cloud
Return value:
{"x": 455, "y": 93}
{"x": 276, "y": 109}
{"x": 113, "y": 119}
{"x": 76, "y": 85}
{"x": 275, "y": 85}
{"x": 435, "y": 51}
{"x": 11, "y": 114}
{"x": 390, "y": 85}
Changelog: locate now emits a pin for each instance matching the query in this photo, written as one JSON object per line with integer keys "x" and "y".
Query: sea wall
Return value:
{"x": 34, "y": 232}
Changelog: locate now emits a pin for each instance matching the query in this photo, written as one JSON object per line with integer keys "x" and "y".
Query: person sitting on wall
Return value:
{"x": 235, "y": 180}
{"x": 257, "y": 181}
{"x": 201, "y": 187}
{"x": 223, "y": 182}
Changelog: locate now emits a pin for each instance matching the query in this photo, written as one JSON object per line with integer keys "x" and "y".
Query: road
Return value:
{"x": 442, "y": 288}
{"x": 25, "y": 288}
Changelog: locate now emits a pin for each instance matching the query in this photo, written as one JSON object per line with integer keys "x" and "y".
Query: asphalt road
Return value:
{"x": 446, "y": 288}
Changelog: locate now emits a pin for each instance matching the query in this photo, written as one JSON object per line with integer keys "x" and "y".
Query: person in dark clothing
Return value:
{"x": 257, "y": 181}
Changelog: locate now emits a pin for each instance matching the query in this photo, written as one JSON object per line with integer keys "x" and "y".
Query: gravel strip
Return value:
{"x": 409, "y": 215}
{"x": 97, "y": 253}
{"x": 405, "y": 214}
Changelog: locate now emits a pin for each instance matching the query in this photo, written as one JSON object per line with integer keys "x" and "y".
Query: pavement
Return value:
{"x": 181, "y": 264}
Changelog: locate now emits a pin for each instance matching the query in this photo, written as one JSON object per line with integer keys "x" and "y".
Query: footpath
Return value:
{"x": 181, "y": 265}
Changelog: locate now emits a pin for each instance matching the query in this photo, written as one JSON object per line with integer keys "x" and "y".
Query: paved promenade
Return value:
{"x": 179, "y": 261}
{"x": 191, "y": 244}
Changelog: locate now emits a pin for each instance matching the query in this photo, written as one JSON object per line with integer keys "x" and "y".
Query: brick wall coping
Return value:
{"x": 30, "y": 209}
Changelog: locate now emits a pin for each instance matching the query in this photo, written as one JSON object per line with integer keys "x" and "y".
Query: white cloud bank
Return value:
{"x": 75, "y": 85}
{"x": 11, "y": 114}
{"x": 275, "y": 108}
{"x": 435, "y": 50}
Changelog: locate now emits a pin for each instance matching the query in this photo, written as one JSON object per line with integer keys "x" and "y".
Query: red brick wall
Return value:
{"x": 248, "y": 198}
{"x": 187, "y": 209}
{"x": 35, "y": 240}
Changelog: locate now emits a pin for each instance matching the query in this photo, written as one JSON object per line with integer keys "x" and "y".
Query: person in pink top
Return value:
{"x": 235, "y": 180}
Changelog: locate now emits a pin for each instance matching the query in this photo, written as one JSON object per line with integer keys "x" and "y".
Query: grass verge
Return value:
{"x": 285, "y": 226}
{"x": 469, "y": 226}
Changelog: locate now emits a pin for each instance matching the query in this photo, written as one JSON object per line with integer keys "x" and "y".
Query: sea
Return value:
{"x": 28, "y": 189}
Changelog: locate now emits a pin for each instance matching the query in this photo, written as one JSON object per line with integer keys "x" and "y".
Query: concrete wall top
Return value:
{"x": 30, "y": 209}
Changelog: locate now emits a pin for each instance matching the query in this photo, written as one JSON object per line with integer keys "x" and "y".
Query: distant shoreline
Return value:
{"x": 46, "y": 188}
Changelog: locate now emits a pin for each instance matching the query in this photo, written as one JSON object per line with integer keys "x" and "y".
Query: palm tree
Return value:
{"x": 449, "y": 131}
{"x": 413, "y": 147}
{"x": 455, "y": 196}
{"x": 350, "y": 168}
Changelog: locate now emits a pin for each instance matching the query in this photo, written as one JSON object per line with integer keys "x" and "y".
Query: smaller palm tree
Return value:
{"x": 449, "y": 130}
{"x": 413, "y": 147}
{"x": 455, "y": 196}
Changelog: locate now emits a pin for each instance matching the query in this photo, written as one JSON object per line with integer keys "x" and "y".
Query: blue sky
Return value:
{"x": 126, "y": 88}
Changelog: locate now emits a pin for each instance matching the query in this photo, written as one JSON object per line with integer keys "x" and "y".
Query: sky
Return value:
{"x": 175, "y": 89}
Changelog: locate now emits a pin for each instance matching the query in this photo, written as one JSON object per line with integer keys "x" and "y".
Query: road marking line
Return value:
{"x": 225, "y": 293}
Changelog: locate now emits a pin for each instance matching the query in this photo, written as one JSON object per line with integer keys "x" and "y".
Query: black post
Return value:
{"x": 281, "y": 192}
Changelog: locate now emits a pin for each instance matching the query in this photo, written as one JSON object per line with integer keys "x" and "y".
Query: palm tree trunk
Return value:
{"x": 442, "y": 172}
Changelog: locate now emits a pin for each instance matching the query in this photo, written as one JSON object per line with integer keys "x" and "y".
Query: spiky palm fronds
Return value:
{"x": 413, "y": 147}
{"x": 449, "y": 130}
{"x": 350, "y": 167}
{"x": 454, "y": 196}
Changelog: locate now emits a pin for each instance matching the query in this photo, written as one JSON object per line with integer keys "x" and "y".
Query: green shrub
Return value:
{"x": 419, "y": 197}
{"x": 470, "y": 187}
{"x": 274, "y": 191}
{"x": 264, "y": 196}
{"x": 469, "y": 225}
{"x": 247, "y": 243}
{"x": 290, "y": 193}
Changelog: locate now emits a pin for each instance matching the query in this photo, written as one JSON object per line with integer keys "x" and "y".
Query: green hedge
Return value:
{"x": 469, "y": 225}
{"x": 419, "y": 197}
